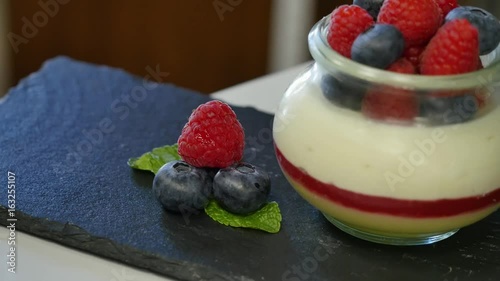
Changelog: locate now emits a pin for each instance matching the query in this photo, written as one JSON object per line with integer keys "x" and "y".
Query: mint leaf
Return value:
{"x": 268, "y": 218}
{"x": 152, "y": 161}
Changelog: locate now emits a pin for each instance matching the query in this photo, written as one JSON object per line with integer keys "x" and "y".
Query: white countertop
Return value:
{"x": 41, "y": 260}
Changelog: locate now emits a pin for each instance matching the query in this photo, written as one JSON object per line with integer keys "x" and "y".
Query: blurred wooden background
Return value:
{"x": 201, "y": 48}
{"x": 186, "y": 38}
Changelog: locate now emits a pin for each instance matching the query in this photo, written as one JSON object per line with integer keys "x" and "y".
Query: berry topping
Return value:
{"x": 453, "y": 50}
{"x": 402, "y": 66}
{"x": 418, "y": 20}
{"x": 409, "y": 37}
{"x": 449, "y": 110}
{"x": 181, "y": 187}
{"x": 347, "y": 22}
{"x": 390, "y": 104}
{"x": 371, "y": 6}
{"x": 446, "y": 6}
{"x": 486, "y": 23}
{"x": 241, "y": 188}
{"x": 387, "y": 103}
{"x": 213, "y": 137}
{"x": 379, "y": 46}
{"x": 343, "y": 92}
{"x": 413, "y": 54}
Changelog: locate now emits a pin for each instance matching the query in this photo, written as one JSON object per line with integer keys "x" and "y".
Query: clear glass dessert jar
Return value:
{"x": 387, "y": 157}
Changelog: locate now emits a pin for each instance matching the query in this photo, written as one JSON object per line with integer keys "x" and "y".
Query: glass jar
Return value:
{"x": 391, "y": 158}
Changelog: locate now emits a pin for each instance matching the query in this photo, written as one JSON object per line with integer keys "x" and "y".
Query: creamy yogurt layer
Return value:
{"x": 343, "y": 148}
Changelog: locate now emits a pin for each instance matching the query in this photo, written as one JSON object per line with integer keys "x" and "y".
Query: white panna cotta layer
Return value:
{"x": 344, "y": 148}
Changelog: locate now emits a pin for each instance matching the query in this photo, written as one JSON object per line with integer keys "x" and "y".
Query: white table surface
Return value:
{"x": 41, "y": 260}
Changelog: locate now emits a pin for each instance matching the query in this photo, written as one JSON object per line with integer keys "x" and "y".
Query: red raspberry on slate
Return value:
{"x": 346, "y": 23}
{"x": 413, "y": 54}
{"x": 213, "y": 137}
{"x": 453, "y": 50}
{"x": 386, "y": 103}
{"x": 446, "y": 6}
{"x": 418, "y": 20}
{"x": 402, "y": 65}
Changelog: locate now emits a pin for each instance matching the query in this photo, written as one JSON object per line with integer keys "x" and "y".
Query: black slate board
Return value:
{"x": 96, "y": 203}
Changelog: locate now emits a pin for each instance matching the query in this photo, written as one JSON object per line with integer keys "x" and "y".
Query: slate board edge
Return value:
{"x": 70, "y": 235}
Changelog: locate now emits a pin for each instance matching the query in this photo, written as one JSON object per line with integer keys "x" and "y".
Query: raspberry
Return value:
{"x": 390, "y": 104}
{"x": 446, "y": 6}
{"x": 487, "y": 25}
{"x": 402, "y": 65}
{"x": 418, "y": 20}
{"x": 386, "y": 103}
{"x": 213, "y": 137}
{"x": 413, "y": 54}
{"x": 347, "y": 22}
{"x": 453, "y": 50}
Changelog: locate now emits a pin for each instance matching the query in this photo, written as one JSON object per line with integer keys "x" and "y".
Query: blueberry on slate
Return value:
{"x": 371, "y": 6}
{"x": 242, "y": 188}
{"x": 181, "y": 187}
{"x": 342, "y": 92}
{"x": 379, "y": 46}
{"x": 486, "y": 23}
{"x": 449, "y": 110}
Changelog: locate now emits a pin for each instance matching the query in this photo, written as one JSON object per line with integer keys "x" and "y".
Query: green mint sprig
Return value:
{"x": 267, "y": 219}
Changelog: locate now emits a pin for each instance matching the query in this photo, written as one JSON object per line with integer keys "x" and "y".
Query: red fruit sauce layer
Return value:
{"x": 386, "y": 205}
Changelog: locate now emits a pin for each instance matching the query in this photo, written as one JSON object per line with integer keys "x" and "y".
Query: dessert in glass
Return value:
{"x": 399, "y": 181}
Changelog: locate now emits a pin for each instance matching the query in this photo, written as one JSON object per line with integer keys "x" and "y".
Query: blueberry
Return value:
{"x": 371, "y": 6}
{"x": 181, "y": 187}
{"x": 379, "y": 46}
{"x": 449, "y": 110}
{"x": 342, "y": 92}
{"x": 242, "y": 188}
{"x": 486, "y": 23}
